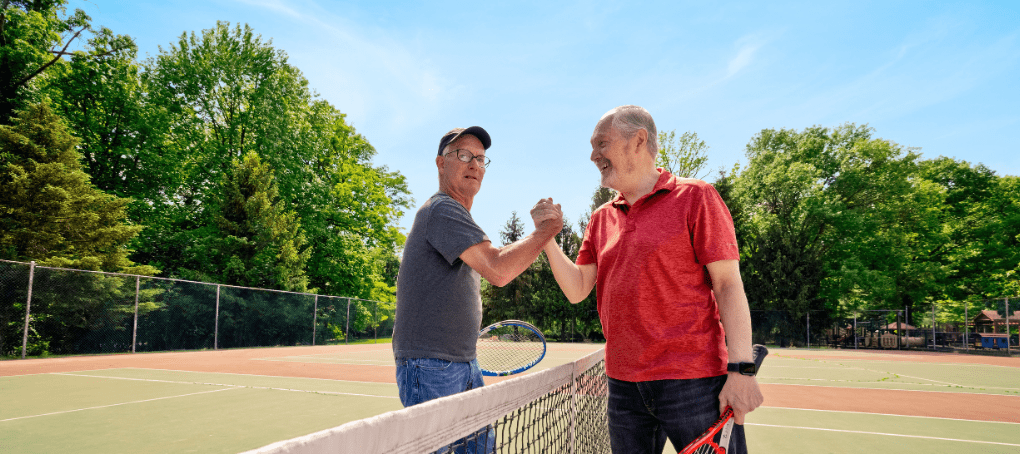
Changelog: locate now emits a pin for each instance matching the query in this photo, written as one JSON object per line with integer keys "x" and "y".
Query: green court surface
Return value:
{"x": 142, "y": 410}
{"x": 778, "y": 430}
{"x": 869, "y": 370}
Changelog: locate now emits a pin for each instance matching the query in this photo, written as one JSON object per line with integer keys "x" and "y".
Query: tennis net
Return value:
{"x": 558, "y": 410}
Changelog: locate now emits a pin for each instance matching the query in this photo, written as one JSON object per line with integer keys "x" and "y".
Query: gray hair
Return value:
{"x": 629, "y": 119}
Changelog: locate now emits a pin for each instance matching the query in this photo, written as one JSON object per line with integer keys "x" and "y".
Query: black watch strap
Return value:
{"x": 743, "y": 368}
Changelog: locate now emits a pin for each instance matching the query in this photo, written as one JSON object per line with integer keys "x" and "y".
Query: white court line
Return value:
{"x": 332, "y": 393}
{"x": 891, "y": 414}
{"x": 885, "y": 434}
{"x": 115, "y": 405}
{"x": 891, "y": 389}
{"x": 246, "y": 375}
{"x": 351, "y": 362}
{"x": 926, "y": 363}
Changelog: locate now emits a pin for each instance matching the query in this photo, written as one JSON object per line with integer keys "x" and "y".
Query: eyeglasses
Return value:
{"x": 466, "y": 156}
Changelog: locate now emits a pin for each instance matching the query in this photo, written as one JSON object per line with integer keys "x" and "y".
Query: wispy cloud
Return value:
{"x": 742, "y": 59}
{"x": 370, "y": 72}
{"x": 747, "y": 47}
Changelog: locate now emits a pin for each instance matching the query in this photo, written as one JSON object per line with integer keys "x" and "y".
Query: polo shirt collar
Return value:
{"x": 666, "y": 183}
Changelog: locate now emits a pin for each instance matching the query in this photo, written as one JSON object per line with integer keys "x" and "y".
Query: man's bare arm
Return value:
{"x": 740, "y": 391}
{"x": 499, "y": 266}
{"x": 576, "y": 281}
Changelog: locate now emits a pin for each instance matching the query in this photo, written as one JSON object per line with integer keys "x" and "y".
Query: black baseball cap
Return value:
{"x": 455, "y": 134}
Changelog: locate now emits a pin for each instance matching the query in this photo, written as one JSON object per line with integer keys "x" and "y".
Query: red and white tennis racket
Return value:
{"x": 723, "y": 427}
{"x": 706, "y": 444}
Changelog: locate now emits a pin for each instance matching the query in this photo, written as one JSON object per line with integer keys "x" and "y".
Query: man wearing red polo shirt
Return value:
{"x": 670, "y": 298}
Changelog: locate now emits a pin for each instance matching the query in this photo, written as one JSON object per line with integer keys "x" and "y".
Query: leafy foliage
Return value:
{"x": 685, "y": 156}
{"x": 817, "y": 203}
{"x": 258, "y": 242}
{"x": 49, "y": 210}
{"x": 30, "y": 33}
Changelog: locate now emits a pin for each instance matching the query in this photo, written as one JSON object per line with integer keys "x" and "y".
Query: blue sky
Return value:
{"x": 940, "y": 76}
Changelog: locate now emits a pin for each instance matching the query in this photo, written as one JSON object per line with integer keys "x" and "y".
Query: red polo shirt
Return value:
{"x": 654, "y": 294}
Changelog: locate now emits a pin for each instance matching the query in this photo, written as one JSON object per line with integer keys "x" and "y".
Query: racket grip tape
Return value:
{"x": 758, "y": 353}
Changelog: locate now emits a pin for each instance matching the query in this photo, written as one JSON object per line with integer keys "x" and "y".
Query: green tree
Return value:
{"x": 350, "y": 211}
{"x": 816, "y": 205}
{"x": 224, "y": 92}
{"x": 258, "y": 242}
{"x": 600, "y": 197}
{"x": 35, "y": 35}
{"x": 210, "y": 99}
{"x": 100, "y": 94}
{"x": 685, "y": 156}
{"x": 49, "y": 210}
{"x": 978, "y": 221}
{"x": 508, "y": 301}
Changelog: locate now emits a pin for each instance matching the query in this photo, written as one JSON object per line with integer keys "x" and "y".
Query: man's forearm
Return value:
{"x": 511, "y": 260}
{"x": 736, "y": 320}
{"x": 568, "y": 275}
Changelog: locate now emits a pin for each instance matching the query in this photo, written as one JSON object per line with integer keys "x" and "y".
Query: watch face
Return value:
{"x": 747, "y": 368}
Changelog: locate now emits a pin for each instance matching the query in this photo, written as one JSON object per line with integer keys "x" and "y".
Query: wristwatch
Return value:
{"x": 743, "y": 367}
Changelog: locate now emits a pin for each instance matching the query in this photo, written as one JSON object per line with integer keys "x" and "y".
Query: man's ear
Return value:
{"x": 439, "y": 163}
{"x": 640, "y": 140}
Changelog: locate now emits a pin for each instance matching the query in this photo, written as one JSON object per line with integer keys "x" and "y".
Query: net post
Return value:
{"x": 28, "y": 309}
{"x": 216, "y": 326}
{"x": 134, "y": 327}
{"x": 572, "y": 446}
{"x": 315, "y": 317}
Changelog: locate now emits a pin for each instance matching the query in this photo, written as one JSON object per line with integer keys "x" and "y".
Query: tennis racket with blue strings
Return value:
{"x": 509, "y": 347}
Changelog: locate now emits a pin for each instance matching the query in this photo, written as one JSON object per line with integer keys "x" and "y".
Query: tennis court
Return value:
{"x": 236, "y": 400}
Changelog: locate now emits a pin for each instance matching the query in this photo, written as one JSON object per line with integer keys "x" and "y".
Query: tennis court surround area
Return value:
{"x": 229, "y": 401}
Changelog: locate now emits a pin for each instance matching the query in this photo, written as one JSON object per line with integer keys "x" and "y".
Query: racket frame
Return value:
{"x": 724, "y": 425}
{"x": 521, "y": 324}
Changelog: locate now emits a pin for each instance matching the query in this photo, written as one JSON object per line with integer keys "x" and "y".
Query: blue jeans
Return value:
{"x": 423, "y": 379}
{"x": 643, "y": 414}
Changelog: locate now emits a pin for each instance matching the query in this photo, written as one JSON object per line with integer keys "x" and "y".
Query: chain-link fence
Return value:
{"x": 991, "y": 325}
{"x": 786, "y": 329}
{"x": 55, "y": 311}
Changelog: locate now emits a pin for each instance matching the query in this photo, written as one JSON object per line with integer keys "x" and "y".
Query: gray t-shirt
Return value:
{"x": 439, "y": 305}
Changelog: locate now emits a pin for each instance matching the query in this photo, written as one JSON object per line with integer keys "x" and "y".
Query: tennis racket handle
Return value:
{"x": 758, "y": 354}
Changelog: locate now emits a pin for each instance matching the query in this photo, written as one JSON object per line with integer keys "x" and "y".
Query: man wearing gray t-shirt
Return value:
{"x": 439, "y": 305}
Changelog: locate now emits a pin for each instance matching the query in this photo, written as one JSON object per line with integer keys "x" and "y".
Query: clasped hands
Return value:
{"x": 548, "y": 216}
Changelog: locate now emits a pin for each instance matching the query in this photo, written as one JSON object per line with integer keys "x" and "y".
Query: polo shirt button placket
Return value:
{"x": 630, "y": 225}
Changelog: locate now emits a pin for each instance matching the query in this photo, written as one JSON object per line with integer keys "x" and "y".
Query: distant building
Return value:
{"x": 992, "y": 322}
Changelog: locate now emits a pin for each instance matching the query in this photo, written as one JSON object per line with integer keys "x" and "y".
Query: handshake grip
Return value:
{"x": 547, "y": 216}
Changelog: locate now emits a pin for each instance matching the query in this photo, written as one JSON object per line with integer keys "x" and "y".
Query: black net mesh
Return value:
{"x": 569, "y": 418}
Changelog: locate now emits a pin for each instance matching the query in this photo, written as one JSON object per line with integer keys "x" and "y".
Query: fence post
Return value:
{"x": 899, "y": 330}
{"x": 134, "y": 330}
{"x": 315, "y": 317}
{"x": 28, "y": 309}
{"x": 1009, "y": 334}
{"x": 966, "y": 327}
{"x": 347, "y": 328}
{"x": 808, "y": 329}
{"x": 855, "y": 331}
{"x": 933, "y": 326}
{"x": 216, "y": 326}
